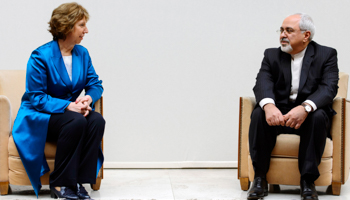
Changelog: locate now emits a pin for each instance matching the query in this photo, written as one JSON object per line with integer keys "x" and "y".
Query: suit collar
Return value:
{"x": 59, "y": 64}
{"x": 306, "y": 65}
{"x": 286, "y": 68}
{"x": 61, "y": 68}
{"x": 56, "y": 52}
{"x": 300, "y": 54}
{"x": 77, "y": 61}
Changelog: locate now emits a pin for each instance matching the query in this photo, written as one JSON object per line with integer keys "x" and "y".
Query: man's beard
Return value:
{"x": 286, "y": 48}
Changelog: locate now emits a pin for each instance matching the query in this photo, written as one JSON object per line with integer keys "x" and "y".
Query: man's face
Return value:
{"x": 292, "y": 39}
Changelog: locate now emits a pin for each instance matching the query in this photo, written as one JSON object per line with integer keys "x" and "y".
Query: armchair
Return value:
{"x": 12, "y": 87}
{"x": 334, "y": 167}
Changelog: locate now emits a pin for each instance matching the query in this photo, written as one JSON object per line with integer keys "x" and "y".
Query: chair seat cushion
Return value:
{"x": 18, "y": 175}
{"x": 287, "y": 146}
{"x": 285, "y": 171}
{"x": 50, "y": 149}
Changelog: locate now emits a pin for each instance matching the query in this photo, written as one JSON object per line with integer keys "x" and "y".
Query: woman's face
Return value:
{"x": 79, "y": 30}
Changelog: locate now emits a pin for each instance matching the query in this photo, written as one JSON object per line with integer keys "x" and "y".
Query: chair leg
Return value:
{"x": 10, "y": 190}
{"x": 97, "y": 185}
{"x": 274, "y": 188}
{"x": 245, "y": 183}
{"x": 334, "y": 188}
{"x": 4, "y": 188}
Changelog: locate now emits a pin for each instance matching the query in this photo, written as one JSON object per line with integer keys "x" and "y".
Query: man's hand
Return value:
{"x": 295, "y": 117}
{"x": 273, "y": 115}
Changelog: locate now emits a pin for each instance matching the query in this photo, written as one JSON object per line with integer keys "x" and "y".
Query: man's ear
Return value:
{"x": 307, "y": 36}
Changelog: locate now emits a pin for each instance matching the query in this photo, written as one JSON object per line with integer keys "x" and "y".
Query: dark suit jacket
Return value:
{"x": 318, "y": 80}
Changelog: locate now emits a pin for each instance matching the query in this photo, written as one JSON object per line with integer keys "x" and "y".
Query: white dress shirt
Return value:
{"x": 296, "y": 65}
{"x": 68, "y": 63}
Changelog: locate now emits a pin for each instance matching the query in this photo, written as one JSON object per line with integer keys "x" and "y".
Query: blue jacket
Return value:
{"x": 50, "y": 90}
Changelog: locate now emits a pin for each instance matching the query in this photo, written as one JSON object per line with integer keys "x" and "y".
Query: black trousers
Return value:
{"x": 78, "y": 140}
{"x": 313, "y": 134}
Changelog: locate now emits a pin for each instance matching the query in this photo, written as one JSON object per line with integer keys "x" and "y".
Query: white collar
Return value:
{"x": 299, "y": 55}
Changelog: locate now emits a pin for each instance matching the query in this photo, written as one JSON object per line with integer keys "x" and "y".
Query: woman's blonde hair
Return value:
{"x": 64, "y": 17}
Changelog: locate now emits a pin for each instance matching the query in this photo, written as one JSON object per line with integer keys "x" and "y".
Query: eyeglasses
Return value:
{"x": 287, "y": 31}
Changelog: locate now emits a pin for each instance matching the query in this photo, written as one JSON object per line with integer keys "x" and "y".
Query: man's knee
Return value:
{"x": 319, "y": 116}
{"x": 257, "y": 114}
{"x": 316, "y": 122}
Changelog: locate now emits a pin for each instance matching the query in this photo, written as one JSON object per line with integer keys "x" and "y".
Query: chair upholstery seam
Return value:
{"x": 240, "y": 136}
{"x": 343, "y": 104}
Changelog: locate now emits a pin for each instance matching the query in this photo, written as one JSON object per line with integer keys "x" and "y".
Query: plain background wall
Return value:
{"x": 173, "y": 71}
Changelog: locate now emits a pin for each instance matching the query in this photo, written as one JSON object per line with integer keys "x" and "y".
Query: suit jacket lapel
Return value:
{"x": 59, "y": 64}
{"x": 286, "y": 68}
{"x": 308, "y": 57}
{"x": 76, "y": 65}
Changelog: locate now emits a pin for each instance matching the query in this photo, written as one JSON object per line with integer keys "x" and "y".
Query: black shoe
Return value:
{"x": 308, "y": 191}
{"x": 81, "y": 192}
{"x": 65, "y": 192}
{"x": 258, "y": 189}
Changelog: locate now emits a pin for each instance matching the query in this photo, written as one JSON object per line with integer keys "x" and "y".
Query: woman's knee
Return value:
{"x": 78, "y": 121}
{"x": 96, "y": 125}
{"x": 72, "y": 127}
{"x": 96, "y": 119}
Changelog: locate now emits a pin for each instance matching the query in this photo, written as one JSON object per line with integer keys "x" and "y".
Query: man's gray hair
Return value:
{"x": 306, "y": 24}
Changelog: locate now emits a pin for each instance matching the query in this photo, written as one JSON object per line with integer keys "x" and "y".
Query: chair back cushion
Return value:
{"x": 12, "y": 85}
{"x": 343, "y": 85}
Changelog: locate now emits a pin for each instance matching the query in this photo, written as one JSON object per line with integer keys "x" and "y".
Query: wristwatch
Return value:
{"x": 307, "y": 107}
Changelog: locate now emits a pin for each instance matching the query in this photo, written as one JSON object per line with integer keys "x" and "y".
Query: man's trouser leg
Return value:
{"x": 313, "y": 134}
{"x": 262, "y": 140}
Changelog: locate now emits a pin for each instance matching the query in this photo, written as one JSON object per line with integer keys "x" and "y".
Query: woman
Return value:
{"x": 51, "y": 110}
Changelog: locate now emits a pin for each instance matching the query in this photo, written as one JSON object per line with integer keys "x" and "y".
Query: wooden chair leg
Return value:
{"x": 10, "y": 190}
{"x": 336, "y": 187}
{"x": 97, "y": 185}
{"x": 245, "y": 183}
{"x": 274, "y": 188}
{"x": 4, "y": 188}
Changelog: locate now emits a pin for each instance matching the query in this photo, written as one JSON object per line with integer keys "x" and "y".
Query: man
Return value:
{"x": 294, "y": 91}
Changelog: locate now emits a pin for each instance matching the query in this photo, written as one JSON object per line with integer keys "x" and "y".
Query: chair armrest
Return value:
{"x": 99, "y": 108}
{"x": 5, "y": 131}
{"x": 246, "y": 107}
{"x": 340, "y": 132}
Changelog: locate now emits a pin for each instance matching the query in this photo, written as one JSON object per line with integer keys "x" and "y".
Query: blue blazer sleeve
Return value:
{"x": 36, "y": 86}
{"x": 93, "y": 85}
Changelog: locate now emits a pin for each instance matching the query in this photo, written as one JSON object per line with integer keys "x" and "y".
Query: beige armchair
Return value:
{"x": 12, "y": 87}
{"x": 334, "y": 167}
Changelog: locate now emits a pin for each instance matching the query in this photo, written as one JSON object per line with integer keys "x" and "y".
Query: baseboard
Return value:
{"x": 170, "y": 165}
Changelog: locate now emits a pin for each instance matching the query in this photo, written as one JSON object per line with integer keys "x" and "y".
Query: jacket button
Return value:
{"x": 69, "y": 95}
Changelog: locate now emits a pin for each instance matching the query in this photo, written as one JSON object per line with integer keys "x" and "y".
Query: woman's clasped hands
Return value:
{"x": 81, "y": 105}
